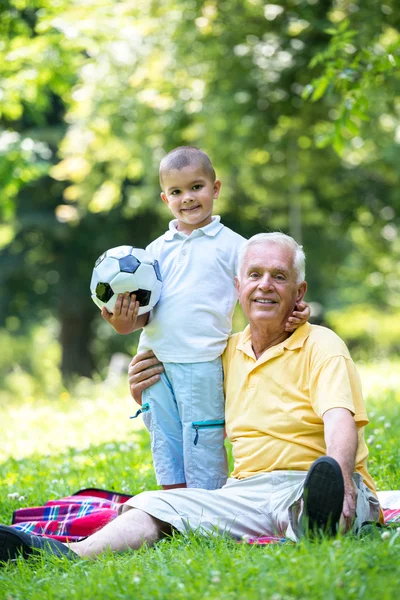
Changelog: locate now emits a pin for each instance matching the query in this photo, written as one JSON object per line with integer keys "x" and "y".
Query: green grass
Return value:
{"x": 88, "y": 440}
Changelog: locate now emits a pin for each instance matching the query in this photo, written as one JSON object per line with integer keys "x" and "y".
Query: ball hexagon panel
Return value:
{"x": 124, "y": 282}
{"x": 143, "y": 297}
{"x": 129, "y": 264}
{"x": 100, "y": 259}
{"x": 107, "y": 269}
{"x": 111, "y": 303}
{"x": 97, "y": 301}
{"x": 146, "y": 277}
{"x": 142, "y": 255}
{"x": 157, "y": 270}
{"x": 155, "y": 293}
{"x": 119, "y": 251}
{"x": 104, "y": 292}
{"x": 94, "y": 281}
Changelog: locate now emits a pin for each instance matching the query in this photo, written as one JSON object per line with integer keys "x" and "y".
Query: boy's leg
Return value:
{"x": 164, "y": 424}
{"x": 200, "y": 399}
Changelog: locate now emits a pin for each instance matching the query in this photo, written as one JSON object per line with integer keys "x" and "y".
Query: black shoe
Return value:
{"x": 14, "y": 543}
{"x": 323, "y": 497}
{"x": 371, "y": 529}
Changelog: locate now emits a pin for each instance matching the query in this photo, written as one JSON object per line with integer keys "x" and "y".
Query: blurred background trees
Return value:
{"x": 297, "y": 103}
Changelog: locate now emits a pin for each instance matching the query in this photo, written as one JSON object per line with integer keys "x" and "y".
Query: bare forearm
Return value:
{"x": 341, "y": 440}
{"x": 342, "y": 446}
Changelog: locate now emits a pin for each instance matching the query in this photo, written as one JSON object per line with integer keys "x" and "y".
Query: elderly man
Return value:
{"x": 294, "y": 415}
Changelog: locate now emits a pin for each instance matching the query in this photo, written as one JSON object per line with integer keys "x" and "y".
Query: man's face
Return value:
{"x": 190, "y": 194}
{"x": 267, "y": 286}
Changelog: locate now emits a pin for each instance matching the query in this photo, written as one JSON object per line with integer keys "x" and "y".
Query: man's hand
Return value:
{"x": 349, "y": 506}
{"x": 125, "y": 317}
{"x": 144, "y": 370}
{"x": 299, "y": 316}
{"x": 341, "y": 441}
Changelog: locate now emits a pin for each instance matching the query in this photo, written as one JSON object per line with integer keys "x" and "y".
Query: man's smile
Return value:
{"x": 264, "y": 301}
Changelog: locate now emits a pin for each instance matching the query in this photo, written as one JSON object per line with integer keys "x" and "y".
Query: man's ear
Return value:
{"x": 217, "y": 188}
{"x": 164, "y": 198}
{"x": 237, "y": 286}
{"x": 301, "y": 291}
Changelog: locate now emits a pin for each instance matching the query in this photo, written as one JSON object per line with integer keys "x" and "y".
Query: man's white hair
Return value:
{"x": 280, "y": 239}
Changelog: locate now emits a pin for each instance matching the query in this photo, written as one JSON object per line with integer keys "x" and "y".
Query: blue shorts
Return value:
{"x": 184, "y": 413}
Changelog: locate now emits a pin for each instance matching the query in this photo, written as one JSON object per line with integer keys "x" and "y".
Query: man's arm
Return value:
{"x": 144, "y": 370}
{"x": 341, "y": 441}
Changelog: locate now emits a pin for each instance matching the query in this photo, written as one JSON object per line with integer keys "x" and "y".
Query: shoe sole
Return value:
{"x": 14, "y": 543}
{"x": 323, "y": 496}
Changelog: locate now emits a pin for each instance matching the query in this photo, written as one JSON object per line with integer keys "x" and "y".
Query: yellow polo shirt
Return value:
{"x": 274, "y": 405}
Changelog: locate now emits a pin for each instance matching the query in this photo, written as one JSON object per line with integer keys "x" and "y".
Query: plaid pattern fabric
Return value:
{"x": 391, "y": 515}
{"x": 72, "y": 518}
{"x": 75, "y": 517}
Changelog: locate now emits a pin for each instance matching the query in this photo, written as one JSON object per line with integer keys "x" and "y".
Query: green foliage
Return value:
{"x": 297, "y": 104}
{"x": 368, "y": 331}
{"x": 359, "y": 63}
{"x": 34, "y": 361}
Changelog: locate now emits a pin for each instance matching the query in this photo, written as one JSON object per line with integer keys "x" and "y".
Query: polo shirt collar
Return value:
{"x": 293, "y": 342}
{"x": 210, "y": 230}
{"x": 298, "y": 337}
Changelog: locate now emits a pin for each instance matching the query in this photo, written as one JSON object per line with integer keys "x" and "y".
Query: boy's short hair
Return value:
{"x": 184, "y": 156}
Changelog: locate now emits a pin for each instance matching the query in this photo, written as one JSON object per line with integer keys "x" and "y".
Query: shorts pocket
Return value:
{"x": 199, "y": 426}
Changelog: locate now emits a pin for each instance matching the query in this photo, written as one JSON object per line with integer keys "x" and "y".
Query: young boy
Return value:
{"x": 189, "y": 327}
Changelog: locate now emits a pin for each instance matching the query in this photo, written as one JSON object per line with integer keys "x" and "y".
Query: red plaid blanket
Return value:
{"x": 72, "y": 518}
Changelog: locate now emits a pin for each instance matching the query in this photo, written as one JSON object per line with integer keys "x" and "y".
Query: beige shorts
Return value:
{"x": 265, "y": 504}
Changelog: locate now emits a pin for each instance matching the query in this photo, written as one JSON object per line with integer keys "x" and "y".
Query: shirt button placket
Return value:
{"x": 183, "y": 252}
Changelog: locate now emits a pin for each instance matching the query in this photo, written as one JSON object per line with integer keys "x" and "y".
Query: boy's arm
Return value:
{"x": 125, "y": 318}
{"x": 299, "y": 316}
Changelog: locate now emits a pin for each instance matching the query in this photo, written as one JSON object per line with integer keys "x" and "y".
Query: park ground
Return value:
{"x": 85, "y": 438}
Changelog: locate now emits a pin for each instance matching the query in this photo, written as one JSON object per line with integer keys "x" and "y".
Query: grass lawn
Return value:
{"x": 49, "y": 450}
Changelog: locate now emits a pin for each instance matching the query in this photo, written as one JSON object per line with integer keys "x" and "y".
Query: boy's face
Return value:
{"x": 190, "y": 194}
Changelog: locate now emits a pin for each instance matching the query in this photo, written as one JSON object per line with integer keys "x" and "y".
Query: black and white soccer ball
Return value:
{"x": 126, "y": 269}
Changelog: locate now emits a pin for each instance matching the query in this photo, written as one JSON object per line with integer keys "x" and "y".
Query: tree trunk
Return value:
{"x": 75, "y": 337}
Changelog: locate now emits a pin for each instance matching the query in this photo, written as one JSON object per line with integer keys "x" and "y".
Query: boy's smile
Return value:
{"x": 190, "y": 193}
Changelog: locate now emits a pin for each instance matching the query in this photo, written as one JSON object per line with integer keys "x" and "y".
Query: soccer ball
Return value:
{"x": 126, "y": 269}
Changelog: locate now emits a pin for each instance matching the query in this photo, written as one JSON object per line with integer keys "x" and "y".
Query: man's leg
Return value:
{"x": 319, "y": 506}
{"x": 130, "y": 530}
{"x": 323, "y": 497}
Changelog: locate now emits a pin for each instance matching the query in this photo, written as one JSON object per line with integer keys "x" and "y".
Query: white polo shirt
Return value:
{"x": 193, "y": 318}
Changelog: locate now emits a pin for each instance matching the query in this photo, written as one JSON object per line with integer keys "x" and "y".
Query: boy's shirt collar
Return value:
{"x": 211, "y": 229}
